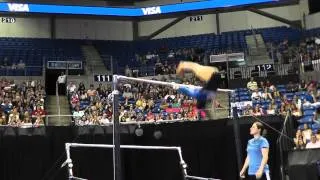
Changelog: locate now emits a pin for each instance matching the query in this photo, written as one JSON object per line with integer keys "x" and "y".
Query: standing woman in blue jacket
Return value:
{"x": 257, "y": 155}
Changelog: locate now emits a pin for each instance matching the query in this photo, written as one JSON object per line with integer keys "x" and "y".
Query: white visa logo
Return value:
{"x": 18, "y": 7}
{"x": 151, "y": 10}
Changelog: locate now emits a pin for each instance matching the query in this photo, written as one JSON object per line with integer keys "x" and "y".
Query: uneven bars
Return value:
{"x": 182, "y": 162}
{"x": 171, "y": 84}
{"x": 124, "y": 146}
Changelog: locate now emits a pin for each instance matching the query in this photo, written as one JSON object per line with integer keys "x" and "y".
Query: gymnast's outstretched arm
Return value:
{"x": 204, "y": 73}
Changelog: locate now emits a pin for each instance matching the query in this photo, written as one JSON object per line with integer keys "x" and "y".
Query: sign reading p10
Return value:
{"x": 125, "y": 11}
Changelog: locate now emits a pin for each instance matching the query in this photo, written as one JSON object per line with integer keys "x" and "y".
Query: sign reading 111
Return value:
{"x": 103, "y": 78}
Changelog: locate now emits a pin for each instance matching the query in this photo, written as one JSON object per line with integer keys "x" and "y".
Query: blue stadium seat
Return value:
{"x": 306, "y": 119}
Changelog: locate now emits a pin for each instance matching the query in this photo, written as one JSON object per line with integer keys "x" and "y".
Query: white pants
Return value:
{"x": 268, "y": 175}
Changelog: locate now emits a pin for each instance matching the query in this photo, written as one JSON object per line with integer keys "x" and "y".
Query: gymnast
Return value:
{"x": 208, "y": 74}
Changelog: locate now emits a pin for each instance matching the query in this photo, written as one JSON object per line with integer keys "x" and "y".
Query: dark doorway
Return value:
{"x": 51, "y": 79}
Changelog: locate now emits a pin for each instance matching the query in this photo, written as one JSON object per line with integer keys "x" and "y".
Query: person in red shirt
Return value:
{"x": 38, "y": 115}
{"x": 150, "y": 116}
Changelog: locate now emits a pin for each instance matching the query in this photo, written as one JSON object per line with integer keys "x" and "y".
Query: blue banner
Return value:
{"x": 126, "y": 12}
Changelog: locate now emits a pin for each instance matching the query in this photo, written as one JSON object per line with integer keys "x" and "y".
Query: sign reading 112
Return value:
{"x": 264, "y": 67}
{"x": 103, "y": 78}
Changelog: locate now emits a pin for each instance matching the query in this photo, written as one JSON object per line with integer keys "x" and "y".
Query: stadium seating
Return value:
{"x": 32, "y": 52}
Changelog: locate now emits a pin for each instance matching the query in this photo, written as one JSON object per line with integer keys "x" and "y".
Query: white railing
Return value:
{"x": 58, "y": 99}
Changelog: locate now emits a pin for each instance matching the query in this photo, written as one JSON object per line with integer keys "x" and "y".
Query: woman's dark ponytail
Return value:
{"x": 264, "y": 133}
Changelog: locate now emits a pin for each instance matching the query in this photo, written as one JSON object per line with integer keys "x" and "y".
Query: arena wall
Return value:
{"x": 76, "y": 28}
{"x": 30, "y": 27}
{"x": 312, "y": 21}
{"x": 186, "y": 27}
{"x": 68, "y": 28}
{"x": 242, "y": 20}
{"x": 231, "y": 21}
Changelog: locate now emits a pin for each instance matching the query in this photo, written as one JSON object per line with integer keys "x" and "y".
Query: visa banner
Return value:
{"x": 125, "y": 11}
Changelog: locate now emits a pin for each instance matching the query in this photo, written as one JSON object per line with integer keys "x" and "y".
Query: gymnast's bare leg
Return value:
{"x": 204, "y": 73}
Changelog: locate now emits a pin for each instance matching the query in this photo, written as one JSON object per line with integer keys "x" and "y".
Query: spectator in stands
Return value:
{"x": 21, "y": 65}
{"x": 297, "y": 101}
{"x": 295, "y": 111}
{"x": 276, "y": 94}
{"x": 81, "y": 87}
{"x": 300, "y": 144}
{"x": 318, "y": 95}
{"x": 312, "y": 85}
{"x": 292, "y": 87}
{"x": 14, "y": 117}
{"x": 282, "y": 110}
{"x": 6, "y": 62}
{"x": 306, "y": 132}
{"x": 309, "y": 97}
{"x": 26, "y": 118}
{"x": 247, "y": 111}
{"x": 252, "y": 85}
{"x": 6, "y": 106}
{"x": 317, "y": 116}
{"x": 257, "y": 111}
{"x": 128, "y": 71}
{"x": 150, "y": 116}
{"x": 62, "y": 83}
{"x": 71, "y": 88}
{"x": 273, "y": 105}
{"x": 262, "y": 85}
{"x": 271, "y": 110}
{"x": 158, "y": 68}
{"x": 91, "y": 92}
{"x": 3, "y": 120}
{"x": 256, "y": 95}
{"x": 314, "y": 143}
{"x": 298, "y": 134}
{"x": 303, "y": 86}
{"x": 268, "y": 84}
{"x": 77, "y": 114}
{"x": 38, "y": 115}
{"x": 266, "y": 95}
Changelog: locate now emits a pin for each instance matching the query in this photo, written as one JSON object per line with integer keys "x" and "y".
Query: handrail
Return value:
{"x": 58, "y": 100}
{"x": 255, "y": 37}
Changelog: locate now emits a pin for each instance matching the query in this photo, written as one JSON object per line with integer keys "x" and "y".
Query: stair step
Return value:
{"x": 52, "y": 109}
{"x": 94, "y": 61}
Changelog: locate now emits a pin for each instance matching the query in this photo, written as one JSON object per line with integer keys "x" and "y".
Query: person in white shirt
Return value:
{"x": 256, "y": 95}
{"x": 71, "y": 87}
{"x": 314, "y": 143}
{"x": 62, "y": 83}
{"x": 77, "y": 114}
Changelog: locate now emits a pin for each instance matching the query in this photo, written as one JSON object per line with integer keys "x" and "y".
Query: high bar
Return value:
{"x": 171, "y": 84}
{"x": 124, "y": 146}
